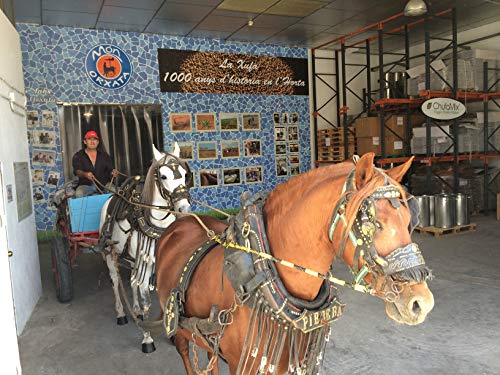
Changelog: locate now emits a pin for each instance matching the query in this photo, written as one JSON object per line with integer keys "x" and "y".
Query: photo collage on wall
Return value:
{"x": 286, "y": 143}
{"x": 43, "y": 143}
{"x": 217, "y": 147}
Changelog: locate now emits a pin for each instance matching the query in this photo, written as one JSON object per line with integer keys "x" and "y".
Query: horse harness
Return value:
{"x": 126, "y": 205}
{"x": 182, "y": 191}
{"x": 257, "y": 284}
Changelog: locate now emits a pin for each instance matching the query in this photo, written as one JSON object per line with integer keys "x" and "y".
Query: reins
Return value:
{"x": 211, "y": 234}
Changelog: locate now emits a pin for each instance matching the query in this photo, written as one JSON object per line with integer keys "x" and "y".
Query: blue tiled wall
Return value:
{"x": 54, "y": 58}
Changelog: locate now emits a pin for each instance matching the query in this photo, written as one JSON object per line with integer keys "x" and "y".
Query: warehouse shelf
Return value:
{"x": 376, "y": 102}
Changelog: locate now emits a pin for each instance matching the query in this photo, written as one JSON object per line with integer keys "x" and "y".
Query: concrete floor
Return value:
{"x": 461, "y": 335}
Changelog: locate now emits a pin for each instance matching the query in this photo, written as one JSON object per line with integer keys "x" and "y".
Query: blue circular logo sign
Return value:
{"x": 108, "y": 66}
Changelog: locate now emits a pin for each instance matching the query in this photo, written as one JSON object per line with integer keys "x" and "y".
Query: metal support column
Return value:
{"x": 486, "y": 204}
{"x": 381, "y": 87}
{"x": 368, "y": 79}
{"x": 456, "y": 169}
{"x": 428, "y": 168}
{"x": 344, "y": 102}
{"x": 315, "y": 114}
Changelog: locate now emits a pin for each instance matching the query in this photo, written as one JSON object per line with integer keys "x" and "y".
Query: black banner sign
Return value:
{"x": 228, "y": 73}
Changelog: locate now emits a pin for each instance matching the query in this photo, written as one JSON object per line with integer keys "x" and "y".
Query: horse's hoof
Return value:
{"x": 148, "y": 347}
{"x": 140, "y": 317}
{"x": 121, "y": 320}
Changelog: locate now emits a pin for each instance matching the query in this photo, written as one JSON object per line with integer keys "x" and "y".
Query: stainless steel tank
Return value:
{"x": 462, "y": 209}
{"x": 424, "y": 216}
{"x": 445, "y": 210}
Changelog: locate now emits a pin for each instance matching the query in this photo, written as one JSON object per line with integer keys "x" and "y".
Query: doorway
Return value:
{"x": 127, "y": 133}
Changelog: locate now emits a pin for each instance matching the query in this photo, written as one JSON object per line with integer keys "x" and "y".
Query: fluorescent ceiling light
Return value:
{"x": 415, "y": 8}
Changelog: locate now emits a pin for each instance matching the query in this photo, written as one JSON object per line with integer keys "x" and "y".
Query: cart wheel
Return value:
{"x": 61, "y": 266}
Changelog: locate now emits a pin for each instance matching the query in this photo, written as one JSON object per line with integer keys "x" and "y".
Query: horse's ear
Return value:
{"x": 398, "y": 172}
{"x": 157, "y": 154}
{"x": 364, "y": 170}
{"x": 177, "y": 150}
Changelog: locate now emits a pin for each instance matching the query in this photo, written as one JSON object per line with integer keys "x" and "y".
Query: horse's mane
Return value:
{"x": 287, "y": 194}
{"x": 149, "y": 188}
{"x": 297, "y": 187}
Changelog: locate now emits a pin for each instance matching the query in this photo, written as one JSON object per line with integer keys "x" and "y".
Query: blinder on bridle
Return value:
{"x": 402, "y": 264}
{"x": 181, "y": 191}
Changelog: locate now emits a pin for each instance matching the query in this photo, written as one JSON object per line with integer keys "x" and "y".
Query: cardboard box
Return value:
{"x": 368, "y": 133}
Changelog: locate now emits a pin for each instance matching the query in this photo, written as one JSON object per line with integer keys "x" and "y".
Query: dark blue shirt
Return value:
{"x": 101, "y": 170}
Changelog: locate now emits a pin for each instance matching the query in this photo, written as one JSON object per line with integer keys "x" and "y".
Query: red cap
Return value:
{"x": 91, "y": 134}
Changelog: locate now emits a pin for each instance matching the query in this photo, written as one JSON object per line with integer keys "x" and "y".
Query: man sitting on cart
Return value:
{"x": 92, "y": 166}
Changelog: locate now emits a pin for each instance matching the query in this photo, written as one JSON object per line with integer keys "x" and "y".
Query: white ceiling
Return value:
{"x": 302, "y": 23}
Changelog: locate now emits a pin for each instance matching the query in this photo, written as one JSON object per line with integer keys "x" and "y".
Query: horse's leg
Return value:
{"x": 182, "y": 346}
{"x": 148, "y": 345}
{"x": 146, "y": 298}
{"x": 112, "y": 262}
{"x": 136, "y": 307}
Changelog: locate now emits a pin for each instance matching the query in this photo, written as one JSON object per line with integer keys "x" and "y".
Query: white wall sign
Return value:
{"x": 443, "y": 108}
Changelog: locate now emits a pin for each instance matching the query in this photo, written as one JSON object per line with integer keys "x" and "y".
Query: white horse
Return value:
{"x": 134, "y": 233}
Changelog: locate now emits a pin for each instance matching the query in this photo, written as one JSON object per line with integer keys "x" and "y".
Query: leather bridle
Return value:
{"x": 181, "y": 191}
{"x": 363, "y": 232}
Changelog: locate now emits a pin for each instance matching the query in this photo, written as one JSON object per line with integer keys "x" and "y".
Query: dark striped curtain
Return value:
{"x": 126, "y": 132}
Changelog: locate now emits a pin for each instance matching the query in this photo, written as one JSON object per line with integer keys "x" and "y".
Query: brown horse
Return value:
{"x": 302, "y": 228}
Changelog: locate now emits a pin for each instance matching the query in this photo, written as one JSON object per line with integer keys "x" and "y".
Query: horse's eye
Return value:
{"x": 163, "y": 177}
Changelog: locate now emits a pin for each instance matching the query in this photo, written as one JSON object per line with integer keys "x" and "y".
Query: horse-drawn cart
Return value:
{"x": 77, "y": 222}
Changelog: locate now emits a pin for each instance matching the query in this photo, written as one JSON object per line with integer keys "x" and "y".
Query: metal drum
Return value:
{"x": 462, "y": 208}
{"x": 445, "y": 210}
{"x": 424, "y": 202}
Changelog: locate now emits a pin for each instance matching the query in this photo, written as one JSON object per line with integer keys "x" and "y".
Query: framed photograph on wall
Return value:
{"x": 207, "y": 150}
{"x": 205, "y": 122}
{"x": 230, "y": 148}
{"x": 280, "y": 148}
{"x": 293, "y": 133}
{"x": 208, "y": 177}
{"x": 276, "y": 117}
{"x": 252, "y": 148}
{"x": 53, "y": 179}
{"x": 47, "y": 119}
{"x": 253, "y": 174}
{"x": 294, "y": 159}
{"x": 32, "y": 119}
{"x": 295, "y": 118}
{"x": 279, "y": 134}
{"x": 251, "y": 121}
{"x": 231, "y": 176}
{"x": 44, "y": 138}
{"x": 294, "y": 147}
{"x": 38, "y": 177}
{"x": 294, "y": 169}
{"x": 180, "y": 122}
{"x": 285, "y": 118}
{"x": 229, "y": 122}
{"x": 186, "y": 150}
{"x": 38, "y": 196}
{"x": 44, "y": 157}
{"x": 281, "y": 166}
